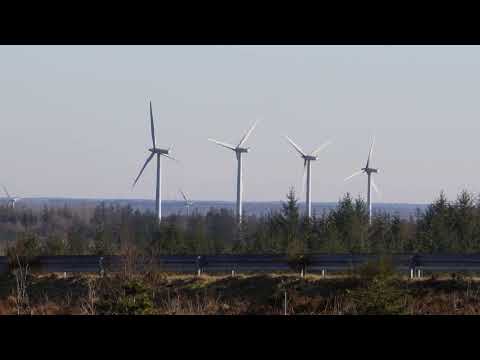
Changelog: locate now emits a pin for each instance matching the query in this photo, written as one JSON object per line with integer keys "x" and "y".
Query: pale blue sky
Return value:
{"x": 74, "y": 119}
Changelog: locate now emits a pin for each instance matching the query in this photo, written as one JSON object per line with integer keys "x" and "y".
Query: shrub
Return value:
{"x": 132, "y": 297}
{"x": 383, "y": 268}
{"x": 378, "y": 293}
{"x": 380, "y": 296}
{"x": 24, "y": 252}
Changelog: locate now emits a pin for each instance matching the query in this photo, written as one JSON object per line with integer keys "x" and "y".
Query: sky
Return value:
{"x": 74, "y": 120}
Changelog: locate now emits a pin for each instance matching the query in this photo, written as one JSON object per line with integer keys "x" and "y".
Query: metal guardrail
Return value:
{"x": 249, "y": 263}
{"x": 3, "y": 264}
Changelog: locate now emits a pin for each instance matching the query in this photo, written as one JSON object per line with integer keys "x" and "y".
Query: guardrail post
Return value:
{"x": 301, "y": 273}
{"x": 419, "y": 273}
{"x": 100, "y": 266}
{"x": 200, "y": 264}
{"x": 414, "y": 263}
{"x": 233, "y": 273}
{"x": 64, "y": 274}
{"x": 323, "y": 273}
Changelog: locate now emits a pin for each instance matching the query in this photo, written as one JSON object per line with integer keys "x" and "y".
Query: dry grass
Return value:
{"x": 199, "y": 305}
{"x": 89, "y": 302}
{"x": 224, "y": 294}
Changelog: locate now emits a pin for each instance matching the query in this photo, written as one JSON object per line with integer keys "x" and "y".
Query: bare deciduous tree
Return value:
{"x": 88, "y": 304}
{"x": 22, "y": 303}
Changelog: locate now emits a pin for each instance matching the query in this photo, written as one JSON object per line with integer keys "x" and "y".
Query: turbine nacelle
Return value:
{"x": 159, "y": 151}
{"x": 242, "y": 150}
{"x": 309, "y": 157}
{"x": 370, "y": 170}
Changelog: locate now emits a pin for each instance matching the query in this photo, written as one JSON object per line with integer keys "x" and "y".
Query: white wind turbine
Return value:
{"x": 10, "y": 200}
{"x": 159, "y": 152}
{"x": 369, "y": 171}
{"x": 307, "y": 158}
{"x": 238, "y": 152}
{"x": 188, "y": 202}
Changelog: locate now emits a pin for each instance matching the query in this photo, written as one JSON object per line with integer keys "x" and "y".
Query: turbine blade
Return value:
{"x": 295, "y": 146}
{"x": 184, "y": 196}
{"x": 6, "y": 191}
{"x": 370, "y": 153}
{"x": 170, "y": 157}
{"x": 228, "y": 146}
{"x": 353, "y": 175}
{"x": 143, "y": 168}
{"x": 321, "y": 147}
{"x": 245, "y": 137}
{"x": 375, "y": 187}
{"x": 152, "y": 127}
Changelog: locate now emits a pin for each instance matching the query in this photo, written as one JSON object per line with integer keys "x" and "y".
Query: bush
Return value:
{"x": 379, "y": 297}
{"x": 383, "y": 268}
{"x": 132, "y": 297}
{"x": 378, "y": 294}
{"x": 24, "y": 252}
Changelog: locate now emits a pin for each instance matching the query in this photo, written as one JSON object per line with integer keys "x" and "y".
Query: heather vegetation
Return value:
{"x": 444, "y": 227}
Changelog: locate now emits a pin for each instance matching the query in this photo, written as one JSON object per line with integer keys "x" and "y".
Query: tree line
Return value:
{"x": 443, "y": 227}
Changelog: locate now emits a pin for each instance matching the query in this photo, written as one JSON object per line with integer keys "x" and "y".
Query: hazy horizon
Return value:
{"x": 301, "y": 201}
{"x": 75, "y": 120}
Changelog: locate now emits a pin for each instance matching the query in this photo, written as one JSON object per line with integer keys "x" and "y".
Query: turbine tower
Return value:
{"x": 307, "y": 170}
{"x": 238, "y": 152}
{"x": 154, "y": 150}
{"x": 188, "y": 202}
{"x": 370, "y": 183}
{"x": 10, "y": 201}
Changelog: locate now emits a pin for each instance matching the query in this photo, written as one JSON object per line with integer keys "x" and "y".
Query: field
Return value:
{"x": 270, "y": 294}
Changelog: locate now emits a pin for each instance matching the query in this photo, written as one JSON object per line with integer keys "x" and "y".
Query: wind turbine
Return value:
{"x": 307, "y": 169}
{"x": 159, "y": 152}
{"x": 369, "y": 171}
{"x": 188, "y": 202}
{"x": 238, "y": 152}
{"x": 10, "y": 201}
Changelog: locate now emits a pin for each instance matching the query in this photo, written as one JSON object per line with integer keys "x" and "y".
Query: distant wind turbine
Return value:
{"x": 369, "y": 171}
{"x": 10, "y": 200}
{"x": 238, "y": 152}
{"x": 159, "y": 152}
{"x": 188, "y": 202}
{"x": 307, "y": 170}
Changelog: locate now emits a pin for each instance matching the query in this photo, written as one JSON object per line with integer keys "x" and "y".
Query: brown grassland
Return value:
{"x": 161, "y": 293}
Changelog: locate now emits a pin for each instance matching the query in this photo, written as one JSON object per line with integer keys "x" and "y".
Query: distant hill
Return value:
{"x": 177, "y": 207}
